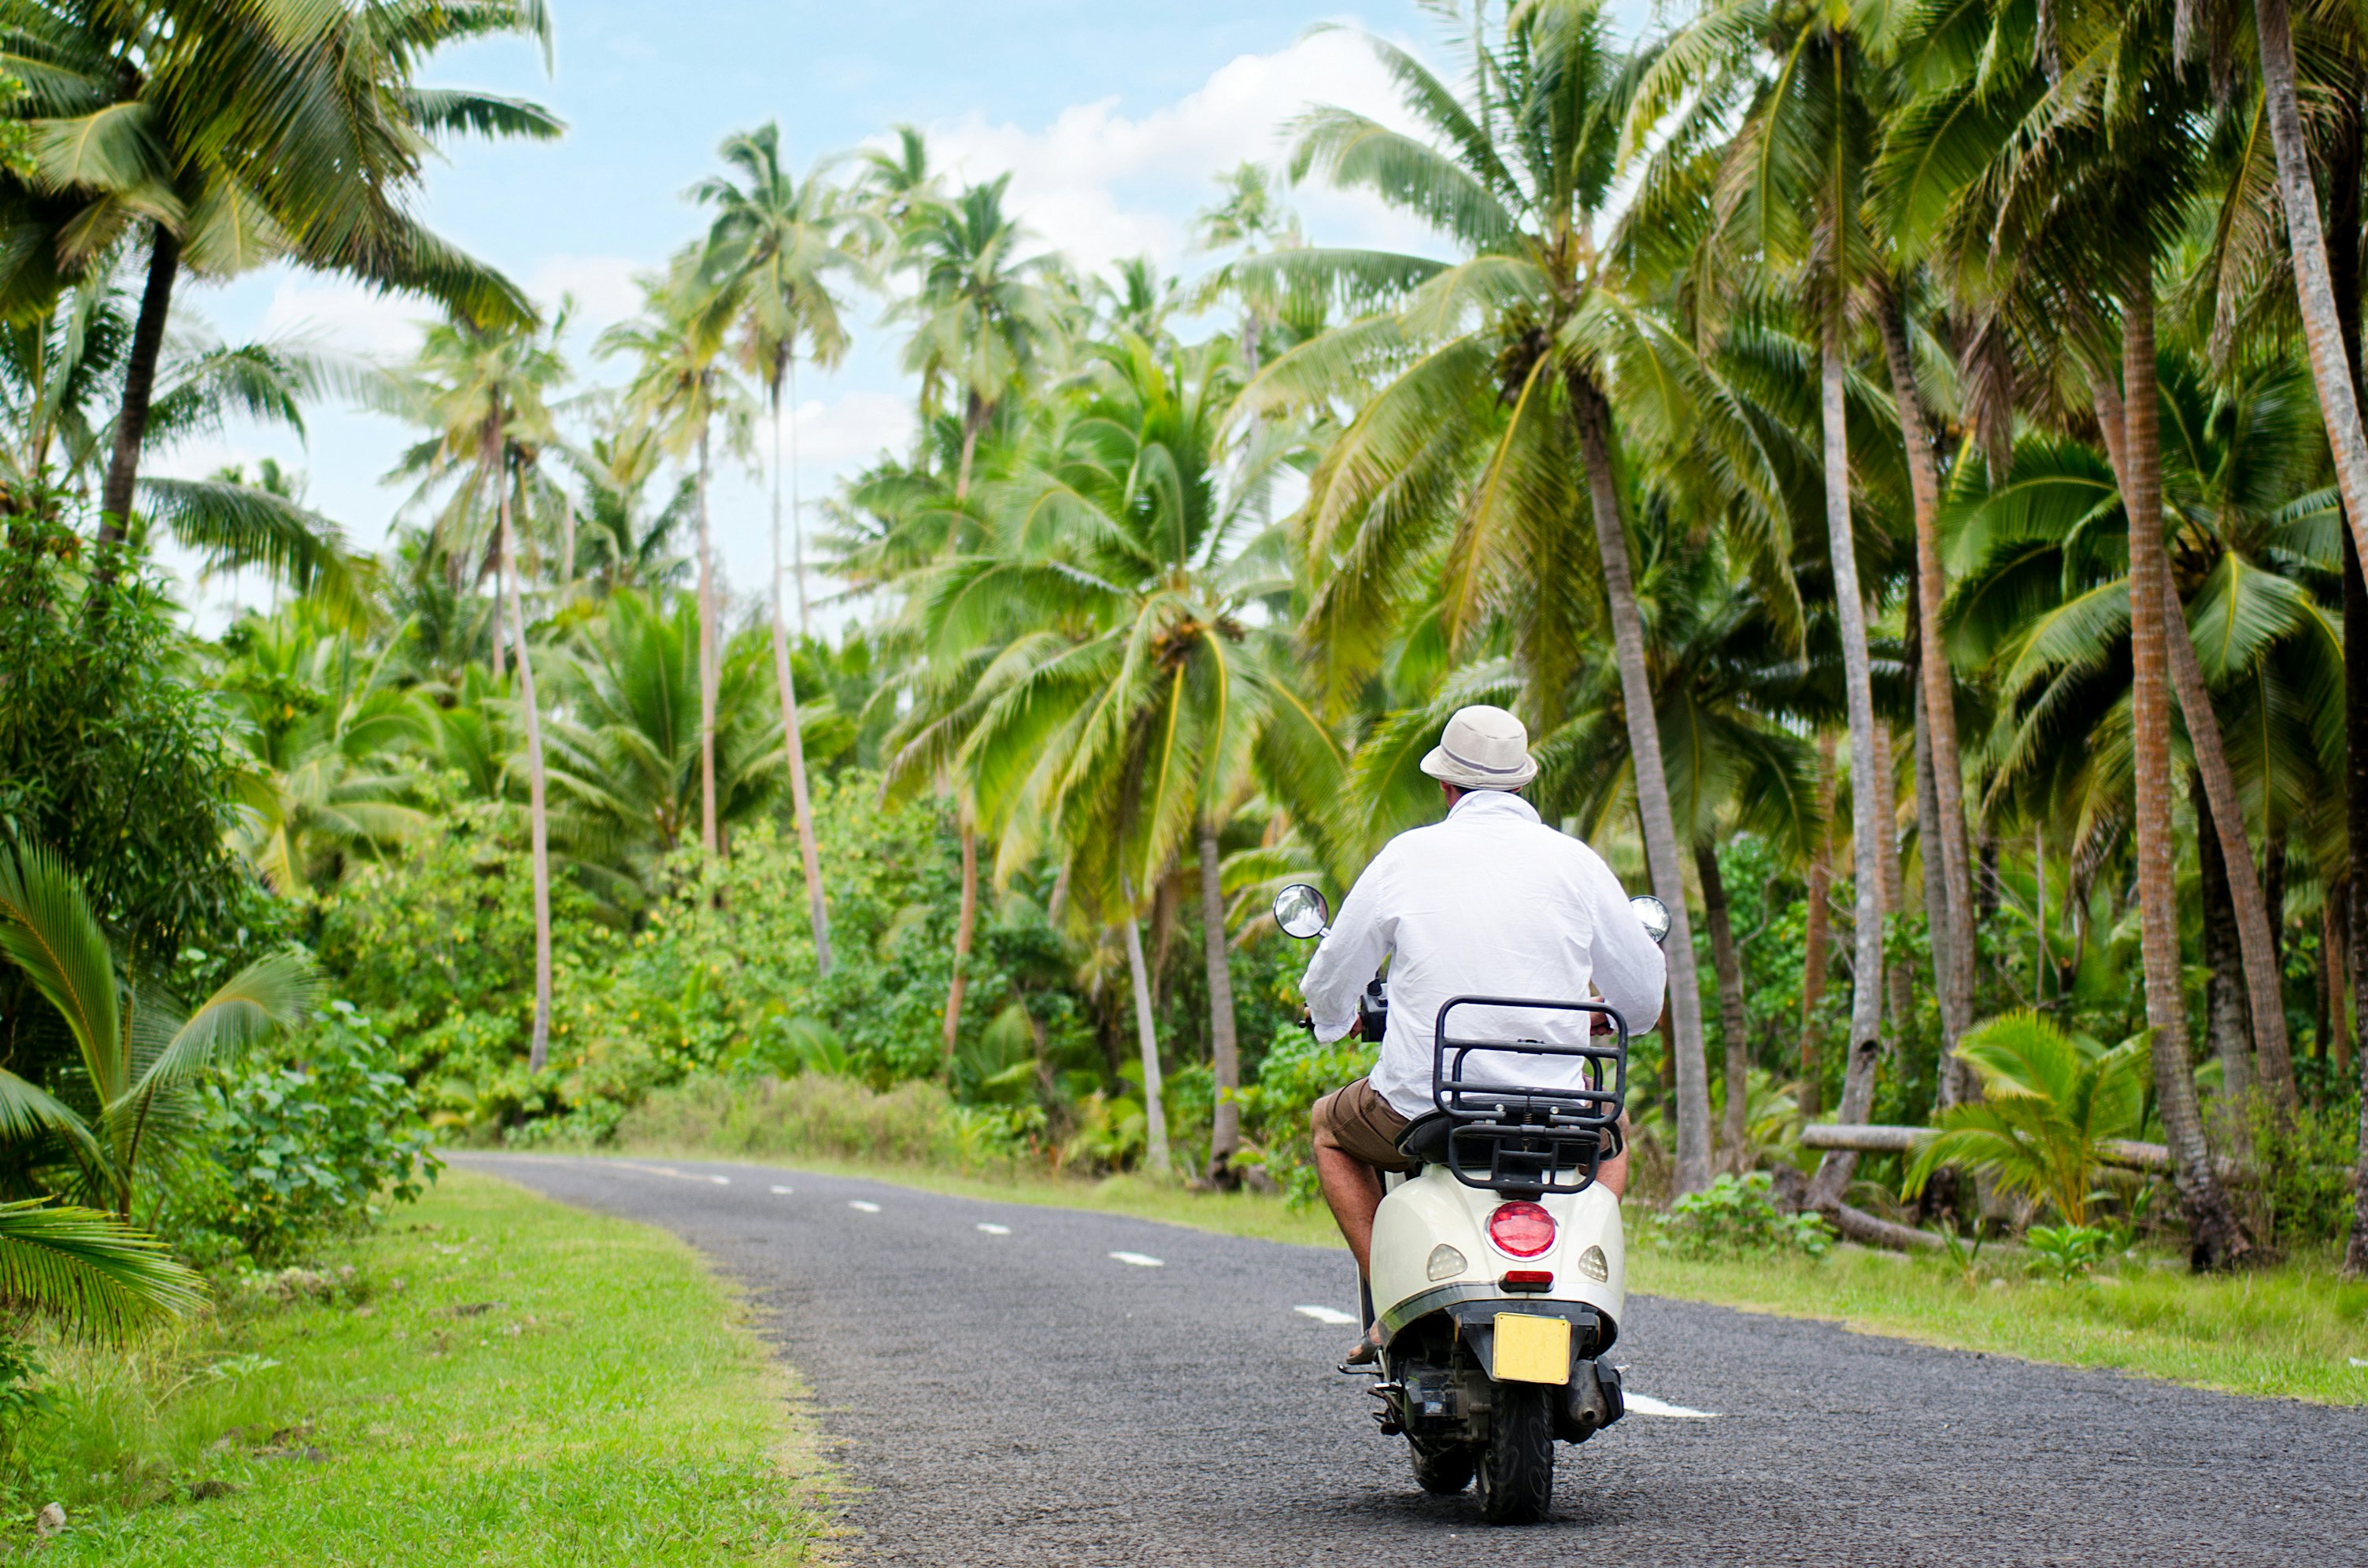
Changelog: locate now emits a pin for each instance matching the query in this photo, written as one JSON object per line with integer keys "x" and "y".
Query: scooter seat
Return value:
{"x": 1425, "y": 1139}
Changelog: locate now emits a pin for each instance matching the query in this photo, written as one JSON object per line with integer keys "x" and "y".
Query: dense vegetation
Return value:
{"x": 1764, "y": 422}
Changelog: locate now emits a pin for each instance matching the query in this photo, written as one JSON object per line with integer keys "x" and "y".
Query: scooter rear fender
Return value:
{"x": 1412, "y": 1278}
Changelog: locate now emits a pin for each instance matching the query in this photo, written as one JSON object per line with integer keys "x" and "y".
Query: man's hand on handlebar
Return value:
{"x": 1307, "y": 1022}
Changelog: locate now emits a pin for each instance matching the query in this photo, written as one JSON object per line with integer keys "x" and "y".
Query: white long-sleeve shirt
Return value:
{"x": 1491, "y": 902}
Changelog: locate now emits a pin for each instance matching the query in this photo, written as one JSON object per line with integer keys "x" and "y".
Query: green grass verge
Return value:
{"x": 502, "y": 1379}
{"x": 2291, "y": 1330}
{"x": 2294, "y": 1331}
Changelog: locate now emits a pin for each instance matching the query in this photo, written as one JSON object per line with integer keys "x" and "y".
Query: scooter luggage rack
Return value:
{"x": 1525, "y": 1137}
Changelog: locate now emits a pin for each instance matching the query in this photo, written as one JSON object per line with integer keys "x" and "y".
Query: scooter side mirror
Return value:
{"x": 1301, "y": 911}
{"x": 1653, "y": 915}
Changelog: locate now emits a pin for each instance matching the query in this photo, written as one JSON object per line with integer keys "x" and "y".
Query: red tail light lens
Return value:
{"x": 1521, "y": 1229}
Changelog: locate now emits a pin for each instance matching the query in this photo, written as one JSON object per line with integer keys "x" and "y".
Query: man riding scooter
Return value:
{"x": 1488, "y": 903}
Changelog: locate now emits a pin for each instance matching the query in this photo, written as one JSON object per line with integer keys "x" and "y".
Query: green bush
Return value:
{"x": 2305, "y": 1167}
{"x": 308, "y": 1147}
{"x": 1296, "y": 1072}
{"x": 1736, "y": 1215}
{"x": 2067, "y": 1252}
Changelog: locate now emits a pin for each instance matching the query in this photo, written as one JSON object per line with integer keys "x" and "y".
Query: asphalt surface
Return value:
{"x": 1024, "y": 1396}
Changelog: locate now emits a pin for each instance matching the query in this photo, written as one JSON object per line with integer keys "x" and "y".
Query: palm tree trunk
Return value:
{"x": 2225, "y": 1000}
{"x": 1953, "y": 946}
{"x": 1899, "y": 985}
{"x": 706, "y": 661}
{"x": 1734, "y": 1019}
{"x": 974, "y": 420}
{"x": 501, "y": 598}
{"x": 2355, "y": 711}
{"x": 538, "y": 817}
{"x": 139, "y": 385}
{"x": 1659, "y": 820}
{"x": 1816, "y": 925}
{"x": 2313, "y": 281}
{"x": 793, "y": 739}
{"x": 797, "y": 511}
{"x": 2214, "y": 1239}
{"x": 1225, "y": 1044}
{"x": 2344, "y": 266}
{"x": 965, "y": 929}
{"x": 2254, "y": 928}
{"x": 1866, "y": 994}
{"x": 1941, "y": 920}
{"x": 1154, "y": 1105}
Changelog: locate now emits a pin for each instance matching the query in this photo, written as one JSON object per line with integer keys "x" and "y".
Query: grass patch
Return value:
{"x": 494, "y": 1379}
{"x": 2292, "y": 1331}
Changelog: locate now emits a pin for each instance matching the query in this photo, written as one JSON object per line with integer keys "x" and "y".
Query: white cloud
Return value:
{"x": 603, "y": 287}
{"x": 851, "y": 431}
{"x": 345, "y": 317}
{"x": 1101, "y": 185}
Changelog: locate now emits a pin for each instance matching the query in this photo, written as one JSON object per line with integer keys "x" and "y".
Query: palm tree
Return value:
{"x": 680, "y": 390}
{"x": 777, "y": 240}
{"x": 2074, "y": 188}
{"x": 979, "y": 318}
{"x": 626, "y": 753}
{"x": 1130, "y": 704}
{"x": 236, "y": 136}
{"x": 481, "y": 393}
{"x": 140, "y": 1060}
{"x": 1790, "y": 198}
{"x": 2333, "y": 368}
{"x": 325, "y": 720}
{"x": 1500, "y": 377}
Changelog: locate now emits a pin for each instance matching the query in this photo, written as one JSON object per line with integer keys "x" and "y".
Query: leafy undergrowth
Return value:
{"x": 2296, "y": 1331}
{"x": 494, "y": 1379}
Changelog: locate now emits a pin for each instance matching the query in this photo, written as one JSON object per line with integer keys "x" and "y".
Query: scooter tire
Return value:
{"x": 1517, "y": 1465}
{"x": 1445, "y": 1468}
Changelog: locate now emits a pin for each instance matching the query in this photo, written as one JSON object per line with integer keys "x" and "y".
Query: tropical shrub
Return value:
{"x": 111, "y": 753}
{"x": 1296, "y": 1073}
{"x": 1736, "y": 1215}
{"x": 311, "y": 1146}
{"x": 2050, "y": 1099}
{"x": 2067, "y": 1252}
{"x": 2305, "y": 1163}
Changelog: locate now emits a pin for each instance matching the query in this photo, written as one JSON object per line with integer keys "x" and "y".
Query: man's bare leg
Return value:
{"x": 1353, "y": 1188}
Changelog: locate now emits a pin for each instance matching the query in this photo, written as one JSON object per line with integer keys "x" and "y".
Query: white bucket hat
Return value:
{"x": 1483, "y": 748}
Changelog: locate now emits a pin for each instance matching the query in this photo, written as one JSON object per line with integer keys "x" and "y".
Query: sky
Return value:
{"x": 1114, "y": 118}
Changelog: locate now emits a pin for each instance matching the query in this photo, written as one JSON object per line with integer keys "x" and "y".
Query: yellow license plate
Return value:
{"x": 1532, "y": 1349}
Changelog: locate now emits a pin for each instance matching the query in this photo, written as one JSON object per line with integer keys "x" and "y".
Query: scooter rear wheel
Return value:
{"x": 1443, "y": 1467}
{"x": 1517, "y": 1465}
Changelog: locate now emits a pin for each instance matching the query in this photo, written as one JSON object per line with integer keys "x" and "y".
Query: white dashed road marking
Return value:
{"x": 1140, "y": 1260}
{"x": 721, "y": 1181}
{"x": 785, "y": 1191}
{"x": 1646, "y": 1404}
{"x": 995, "y": 1230}
{"x": 866, "y": 1208}
{"x": 1330, "y": 1316}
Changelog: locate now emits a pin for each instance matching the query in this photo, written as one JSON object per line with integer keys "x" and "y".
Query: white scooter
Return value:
{"x": 1498, "y": 1264}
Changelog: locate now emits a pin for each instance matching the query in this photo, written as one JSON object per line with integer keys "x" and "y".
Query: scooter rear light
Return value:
{"x": 1521, "y": 1228}
{"x": 1527, "y": 1280}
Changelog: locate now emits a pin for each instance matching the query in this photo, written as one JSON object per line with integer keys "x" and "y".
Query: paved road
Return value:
{"x": 1010, "y": 1391}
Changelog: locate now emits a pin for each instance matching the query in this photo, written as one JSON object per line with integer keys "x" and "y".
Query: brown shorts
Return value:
{"x": 1358, "y": 1122}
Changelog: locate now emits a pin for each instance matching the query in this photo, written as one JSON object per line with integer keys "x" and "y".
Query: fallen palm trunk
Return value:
{"x": 2128, "y": 1154}
{"x": 1867, "y": 1230}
